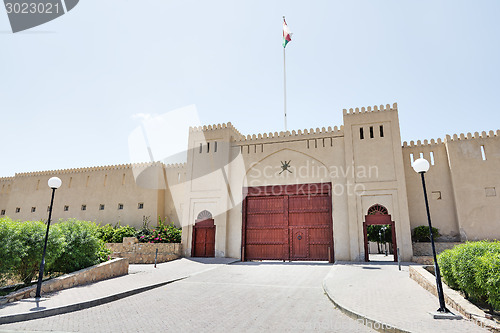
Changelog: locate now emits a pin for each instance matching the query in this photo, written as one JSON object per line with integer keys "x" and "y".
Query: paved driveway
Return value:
{"x": 268, "y": 296}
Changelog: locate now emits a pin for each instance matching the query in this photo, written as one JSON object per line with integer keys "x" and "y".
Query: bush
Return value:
{"x": 106, "y": 233}
{"x": 123, "y": 231}
{"x": 421, "y": 233}
{"x": 29, "y": 238}
{"x": 8, "y": 243}
{"x": 163, "y": 233}
{"x": 446, "y": 261}
{"x": 474, "y": 268}
{"x": 82, "y": 246}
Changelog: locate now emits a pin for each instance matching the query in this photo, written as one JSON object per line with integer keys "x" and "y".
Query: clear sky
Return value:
{"x": 69, "y": 89}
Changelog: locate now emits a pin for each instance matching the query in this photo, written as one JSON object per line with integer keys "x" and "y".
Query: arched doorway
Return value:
{"x": 203, "y": 243}
{"x": 378, "y": 215}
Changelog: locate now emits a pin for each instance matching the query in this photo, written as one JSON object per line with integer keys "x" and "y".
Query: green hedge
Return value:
{"x": 72, "y": 245}
{"x": 474, "y": 268}
{"x": 421, "y": 233}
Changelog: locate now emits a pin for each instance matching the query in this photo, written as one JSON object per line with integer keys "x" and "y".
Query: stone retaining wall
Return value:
{"x": 425, "y": 249}
{"x": 103, "y": 271}
{"x": 453, "y": 299}
{"x": 144, "y": 253}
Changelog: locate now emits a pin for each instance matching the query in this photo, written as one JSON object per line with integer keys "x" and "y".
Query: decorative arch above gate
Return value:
{"x": 204, "y": 215}
{"x": 377, "y": 210}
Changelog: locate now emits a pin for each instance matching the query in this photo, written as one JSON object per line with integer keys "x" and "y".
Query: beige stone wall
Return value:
{"x": 144, "y": 253}
{"x": 462, "y": 187}
{"x": 476, "y": 183}
{"x": 439, "y": 187}
{"x": 103, "y": 271}
{"x": 110, "y": 186}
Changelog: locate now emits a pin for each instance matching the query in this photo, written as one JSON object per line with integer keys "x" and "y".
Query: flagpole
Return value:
{"x": 284, "y": 85}
{"x": 284, "y": 82}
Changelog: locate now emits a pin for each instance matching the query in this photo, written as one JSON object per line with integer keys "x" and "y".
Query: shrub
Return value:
{"x": 163, "y": 233}
{"x": 8, "y": 243}
{"x": 82, "y": 249}
{"x": 106, "y": 233}
{"x": 446, "y": 261}
{"x": 29, "y": 239}
{"x": 488, "y": 277}
{"x": 421, "y": 233}
{"x": 123, "y": 231}
{"x": 474, "y": 268}
{"x": 465, "y": 264}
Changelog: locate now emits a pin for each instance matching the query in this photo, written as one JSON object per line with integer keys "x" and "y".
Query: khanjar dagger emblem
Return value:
{"x": 284, "y": 167}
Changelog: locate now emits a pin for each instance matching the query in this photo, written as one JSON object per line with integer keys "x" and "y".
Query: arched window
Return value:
{"x": 204, "y": 215}
{"x": 377, "y": 210}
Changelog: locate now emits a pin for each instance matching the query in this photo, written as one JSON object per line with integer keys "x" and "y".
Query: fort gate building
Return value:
{"x": 299, "y": 195}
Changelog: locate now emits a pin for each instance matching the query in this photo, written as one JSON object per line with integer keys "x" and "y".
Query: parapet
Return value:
{"x": 89, "y": 169}
{"x": 214, "y": 127}
{"x": 369, "y": 109}
{"x": 469, "y": 136}
{"x": 454, "y": 137}
{"x": 310, "y": 134}
{"x": 176, "y": 166}
{"x": 6, "y": 179}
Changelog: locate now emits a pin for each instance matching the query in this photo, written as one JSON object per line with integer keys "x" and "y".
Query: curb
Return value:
{"x": 9, "y": 319}
{"x": 371, "y": 323}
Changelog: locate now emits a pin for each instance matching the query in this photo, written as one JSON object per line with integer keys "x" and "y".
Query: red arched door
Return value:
{"x": 378, "y": 215}
{"x": 203, "y": 244}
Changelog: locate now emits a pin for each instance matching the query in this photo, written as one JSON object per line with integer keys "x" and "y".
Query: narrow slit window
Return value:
{"x": 215, "y": 146}
{"x": 179, "y": 177}
{"x": 421, "y": 155}
{"x": 307, "y": 144}
{"x": 123, "y": 179}
{"x": 381, "y": 131}
{"x": 371, "y": 132}
{"x": 411, "y": 158}
{"x": 315, "y": 143}
{"x": 361, "y": 134}
{"x": 483, "y": 153}
{"x": 208, "y": 147}
{"x": 323, "y": 143}
{"x": 201, "y": 148}
{"x": 38, "y": 184}
{"x": 432, "y": 158}
{"x": 70, "y": 181}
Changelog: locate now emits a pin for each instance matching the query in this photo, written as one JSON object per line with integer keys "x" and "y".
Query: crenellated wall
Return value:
{"x": 363, "y": 160}
{"x": 461, "y": 185}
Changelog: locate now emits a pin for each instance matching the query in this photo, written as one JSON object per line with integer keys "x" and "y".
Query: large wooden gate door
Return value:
{"x": 203, "y": 244}
{"x": 291, "y": 222}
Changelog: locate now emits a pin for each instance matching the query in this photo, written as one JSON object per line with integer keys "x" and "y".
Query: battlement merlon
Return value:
{"x": 376, "y": 108}
{"x": 451, "y": 138}
{"x": 206, "y": 128}
{"x": 90, "y": 169}
{"x": 293, "y": 135}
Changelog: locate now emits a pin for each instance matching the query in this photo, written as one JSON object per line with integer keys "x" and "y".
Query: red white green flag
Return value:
{"x": 287, "y": 34}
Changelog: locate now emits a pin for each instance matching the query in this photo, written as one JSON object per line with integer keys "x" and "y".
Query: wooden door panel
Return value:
{"x": 300, "y": 244}
{"x": 199, "y": 242}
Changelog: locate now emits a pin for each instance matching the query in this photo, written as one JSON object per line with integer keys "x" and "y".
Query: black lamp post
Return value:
{"x": 54, "y": 184}
{"x": 421, "y": 166}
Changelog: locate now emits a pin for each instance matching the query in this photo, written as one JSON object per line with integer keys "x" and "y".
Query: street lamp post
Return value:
{"x": 54, "y": 183}
{"x": 421, "y": 166}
